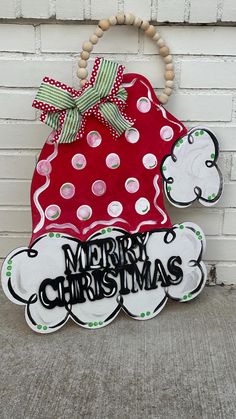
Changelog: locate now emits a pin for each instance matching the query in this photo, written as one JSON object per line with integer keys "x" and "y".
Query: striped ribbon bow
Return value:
{"x": 66, "y": 109}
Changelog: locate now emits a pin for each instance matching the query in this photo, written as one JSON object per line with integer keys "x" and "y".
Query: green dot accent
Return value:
{"x": 9, "y": 262}
{"x": 209, "y": 197}
{"x": 181, "y": 141}
{"x": 212, "y": 155}
{"x": 213, "y": 195}
{"x": 100, "y": 323}
{"x": 39, "y": 326}
{"x": 51, "y": 234}
{"x": 201, "y": 132}
{"x": 45, "y": 327}
{"x": 168, "y": 188}
{"x": 181, "y": 226}
{"x": 90, "y": 324}
{"x": 148, "y": 313}
{"x": 109, "y": 229}
{"x": 197, "y": 133}
{"x": 9, "y": 268}
{"x": 58, "y": 235}
{"x": 198, "y": 233}
{"x": 142, "y": 315}
{"x": 185, "y": 297}
{"x": 8, "y": 274}
{"x": 200, "y": 237}
{"x": 177, "y": 144}
{"x": 190, "y": 295}
{"x": 103, "y": 231}
{"x": 163, "y": 168}
{"x": 95, "y": 323}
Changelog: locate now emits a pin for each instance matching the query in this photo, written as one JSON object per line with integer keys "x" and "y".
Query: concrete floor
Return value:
{"x": 179, "y": 365}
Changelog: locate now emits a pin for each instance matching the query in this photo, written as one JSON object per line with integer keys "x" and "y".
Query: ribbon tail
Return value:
{"x": 70, "y": 126}
{"x": 118, "y": 121}
{"x": 52, "y": 119}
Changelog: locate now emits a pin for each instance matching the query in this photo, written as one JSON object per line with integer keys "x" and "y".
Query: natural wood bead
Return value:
{"x": 85, "y": 55}
{"x": 82, "y": 63}
{"x": 83, "y": 82}
{"x": 120, "y": 18}
{"x": 163, "y": 98}
{"x": 87, "y": 46}
{"x": 169, "y": 75}
{"x": 104, "y": 24}
{"x": 160, "y": 43}
{"x": 137, "y": 22}
{"x": 129, "y": 19}
{"x": 94, "y": 39}
{"x": 170, "y": 66}
{"x": 112, "y": 20}
{"x": 167, "y": 91}
{"x": 168, "y": 59}
{"x": 98, "y": 32}
{"x": 145, "y": 25}
{"x": 169, "y": 83}
{"x": 156, "y": 37}
{"x": 164, "y": 51}
{"x": 150, "y": 31}
{"x": 82, "y": 73}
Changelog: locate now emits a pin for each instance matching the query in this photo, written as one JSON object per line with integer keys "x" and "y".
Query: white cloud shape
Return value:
{"x": 167, "y": 265}
{"x": 190, "y": 173}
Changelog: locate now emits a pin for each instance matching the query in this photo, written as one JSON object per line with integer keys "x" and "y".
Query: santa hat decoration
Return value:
{"x": 102, "y": 239}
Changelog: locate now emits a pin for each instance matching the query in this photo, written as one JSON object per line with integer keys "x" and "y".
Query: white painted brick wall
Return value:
{"x": 35, "y": 8}
{"x": 45, "y": 37}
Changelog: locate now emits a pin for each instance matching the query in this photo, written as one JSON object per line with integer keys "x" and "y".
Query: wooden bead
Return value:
{"x": 83, "y": 82}
{"x": 94, "y": 39}
{"x": 167, "y": 91}
{"x": 160, "y": 43}
{"x": 163, "y": 98}
{"x": 156, "y": 37}
{"x": 169, "y": 83}
{"x": 82, "y": 73}
{"x": 145, "y": 25}
{"x": 120, "y": 18}
{"x": 112, "y": 20}
{"x": 169, "y": 75}
{"x": 137, "y": 22}
{"x": 85, "y": 55}
{"x": 87, "y": 46}
{"x": 129, "y": 19}
{"x": 168, "y": 59}
{"x": 170, "y": 66}
{"x": 164, "y": 51}
{"x": 82, "y": 63}
{"x": 98, "y": 32}
{"x": 104, "y": 24}
{"x": 150, "y": 31}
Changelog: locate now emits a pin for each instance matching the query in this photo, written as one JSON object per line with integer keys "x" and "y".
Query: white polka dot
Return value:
{"x": 84, "y": 212}
{"x": 132, "y": 135}
{"x": 52, "y": 212}
{"x": 143, "y": 105}
{"x": 78, "y": 161}
{"x": 132, "y": 185}
{"x": 94, "y": 139}
{"x": 114, "y": 209}
{"x": 99, "y": 187}
{"x": 166, "y": 133}
{"x": 142, "y": 206}
{"x": 149, "y": 161}
{"x": 67, "y": 190}
{"x": 113, "y": 161}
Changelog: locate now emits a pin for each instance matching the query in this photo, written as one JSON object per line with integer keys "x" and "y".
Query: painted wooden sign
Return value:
{"x": 102, "y": 239}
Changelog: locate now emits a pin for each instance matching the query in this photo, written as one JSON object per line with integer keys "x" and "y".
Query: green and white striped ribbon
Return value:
{"x": 75, "y": 107}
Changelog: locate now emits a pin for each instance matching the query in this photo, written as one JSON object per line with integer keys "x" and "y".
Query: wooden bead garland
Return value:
{"x": 149, "y": 30}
